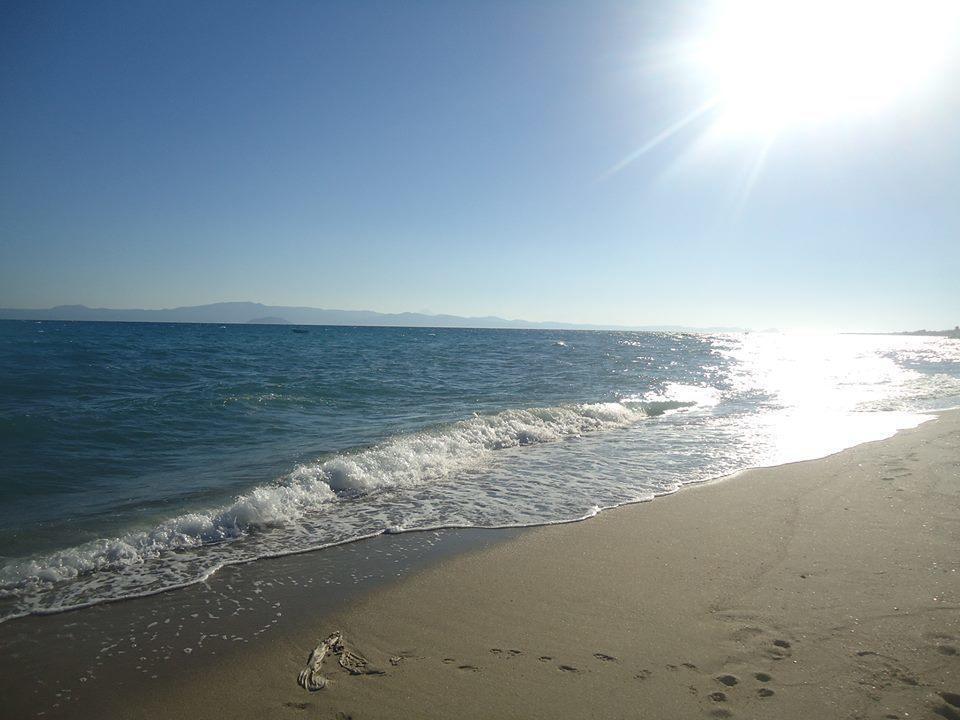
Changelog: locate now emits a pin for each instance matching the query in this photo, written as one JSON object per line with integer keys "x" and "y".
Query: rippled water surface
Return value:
{"x": 137, "y": 457}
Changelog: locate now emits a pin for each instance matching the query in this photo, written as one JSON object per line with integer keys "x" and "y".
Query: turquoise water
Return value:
{"x": 139, "y": 457}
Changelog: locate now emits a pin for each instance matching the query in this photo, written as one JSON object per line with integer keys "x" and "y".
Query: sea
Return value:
{"x": 136, "y": 458}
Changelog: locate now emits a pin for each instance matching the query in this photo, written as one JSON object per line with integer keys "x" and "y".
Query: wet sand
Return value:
{"x": 827, "y": 588}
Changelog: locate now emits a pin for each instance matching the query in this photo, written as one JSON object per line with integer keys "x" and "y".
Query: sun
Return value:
{"x": 763, "y": 68}
{"x": 775, "y": 63}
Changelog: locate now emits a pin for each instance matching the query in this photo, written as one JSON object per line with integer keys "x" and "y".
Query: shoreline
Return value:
{"x": 440, "y": 579}
{"x": 173, "y": 634}
{"x": 921, "y": 417}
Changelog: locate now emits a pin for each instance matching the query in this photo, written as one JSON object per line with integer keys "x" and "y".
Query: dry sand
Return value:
{"x": 826, "y": 589}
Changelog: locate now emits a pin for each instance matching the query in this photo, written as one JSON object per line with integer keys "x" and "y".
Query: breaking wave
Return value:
{"x": 403, "y": 461}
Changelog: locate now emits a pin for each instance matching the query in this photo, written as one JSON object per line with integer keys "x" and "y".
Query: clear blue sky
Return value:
{"x": 451, "y": 157}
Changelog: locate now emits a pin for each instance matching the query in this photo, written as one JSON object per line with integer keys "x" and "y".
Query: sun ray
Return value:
{"x": 754, "y": 172}
{"x": 660, "y": 137}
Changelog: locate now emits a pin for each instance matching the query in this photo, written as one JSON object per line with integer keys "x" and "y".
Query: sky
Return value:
{"x": 468, "y": 158}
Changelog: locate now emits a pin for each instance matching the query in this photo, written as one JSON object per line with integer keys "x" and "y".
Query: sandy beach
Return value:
{"x": 480, "y": 360}
{"x": 826, "y": 588}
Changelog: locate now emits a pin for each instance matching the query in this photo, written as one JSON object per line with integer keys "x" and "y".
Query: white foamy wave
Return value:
{"x": 409, "y": 460}
{"x": 263, "y": 507}
{"x": 405, "y": 461}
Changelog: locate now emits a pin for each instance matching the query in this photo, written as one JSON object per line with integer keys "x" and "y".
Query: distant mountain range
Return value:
{"x": 257, "y": 313}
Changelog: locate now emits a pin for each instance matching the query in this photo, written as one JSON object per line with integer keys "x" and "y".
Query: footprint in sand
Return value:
{"x": 605, "y": 658}
{"x": 568, "y": 668}
{"x": 297, "y": 705}
{"x": 746, "y": 633}
{"x": 780, "y": 650}
{"x": 728, "y": 680}
{"x": 944, "y": 644}
{"x": 951, "y": 710}
{"x": 451, "y": 661}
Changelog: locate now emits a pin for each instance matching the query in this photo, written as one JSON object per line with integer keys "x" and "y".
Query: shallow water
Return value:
{"x": 138, "y": 457}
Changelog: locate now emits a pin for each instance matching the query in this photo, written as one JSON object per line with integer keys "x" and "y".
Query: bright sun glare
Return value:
{"x": 774, "y": 63}
{"x": 768, "y": 66}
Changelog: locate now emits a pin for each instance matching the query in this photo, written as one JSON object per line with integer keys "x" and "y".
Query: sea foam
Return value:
{"x": 404, "y": 461}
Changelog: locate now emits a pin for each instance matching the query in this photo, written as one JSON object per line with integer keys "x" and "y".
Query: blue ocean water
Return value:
{"x": 140, "y": 457}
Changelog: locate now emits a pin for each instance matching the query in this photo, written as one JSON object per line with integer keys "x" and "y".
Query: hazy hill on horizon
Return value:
{"x": 258, "y": 313}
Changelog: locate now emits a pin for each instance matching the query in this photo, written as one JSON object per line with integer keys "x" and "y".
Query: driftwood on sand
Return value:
{"x": 348, "y": 658}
